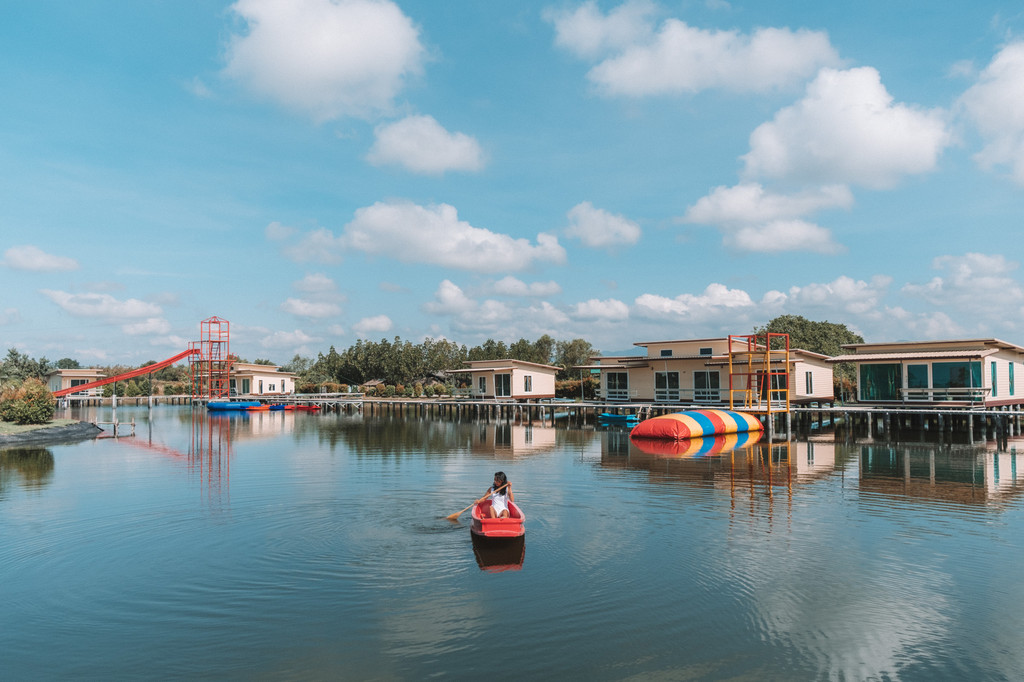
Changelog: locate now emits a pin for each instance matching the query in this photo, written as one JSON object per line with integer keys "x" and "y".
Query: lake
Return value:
{"x": 287, "y": 545}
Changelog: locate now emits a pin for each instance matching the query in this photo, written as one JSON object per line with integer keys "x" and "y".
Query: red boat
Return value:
{"x": 509, "y": 527}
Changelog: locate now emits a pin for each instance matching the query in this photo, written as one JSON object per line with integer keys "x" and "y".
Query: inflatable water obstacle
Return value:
{"x": 695, "y": 424}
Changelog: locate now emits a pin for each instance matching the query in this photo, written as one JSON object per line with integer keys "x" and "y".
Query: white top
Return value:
{"x": 499, "y": 500}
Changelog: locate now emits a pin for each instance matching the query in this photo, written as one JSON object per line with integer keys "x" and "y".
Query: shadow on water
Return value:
{"x": 34, "y": 466}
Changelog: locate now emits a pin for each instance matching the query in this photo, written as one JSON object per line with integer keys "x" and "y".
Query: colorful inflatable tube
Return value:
{"x": 695, "y": 424}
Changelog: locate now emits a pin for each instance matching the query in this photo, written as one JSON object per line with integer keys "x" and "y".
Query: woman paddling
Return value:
{"x": 500, "y": 494}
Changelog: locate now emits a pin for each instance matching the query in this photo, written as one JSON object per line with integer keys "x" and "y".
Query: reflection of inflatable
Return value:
{"x": 694, "y": 424}
{"x": 696, "y": 447}
{"x": 504, "y": 554}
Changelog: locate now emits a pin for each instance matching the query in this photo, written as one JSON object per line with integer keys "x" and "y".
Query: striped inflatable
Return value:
{"x": 695, "y": 424}
{"x": 693, "y": 448}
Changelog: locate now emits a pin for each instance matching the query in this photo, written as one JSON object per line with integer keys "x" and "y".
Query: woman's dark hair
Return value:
{"x": 502, "y": 480}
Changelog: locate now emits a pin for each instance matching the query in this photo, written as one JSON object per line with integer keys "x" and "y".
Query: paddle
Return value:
{"x": 452, "y": 517}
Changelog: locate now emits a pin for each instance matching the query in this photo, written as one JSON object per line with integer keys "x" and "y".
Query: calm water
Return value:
{"x": 296, "y": 546}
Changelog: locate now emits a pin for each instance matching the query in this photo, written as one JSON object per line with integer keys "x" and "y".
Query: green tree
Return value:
{"x": 569, "y": 354}
{"x": 68, "y": 363}
{"x": 826, "y": 338}
{"x": 29, "y": 403}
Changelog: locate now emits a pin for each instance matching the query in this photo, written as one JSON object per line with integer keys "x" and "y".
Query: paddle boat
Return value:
{"x": 609, "y": 418}
{"x": 510, "y": 527}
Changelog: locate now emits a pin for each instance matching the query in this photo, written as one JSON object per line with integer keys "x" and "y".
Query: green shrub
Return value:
{"x": 29, "y": 403}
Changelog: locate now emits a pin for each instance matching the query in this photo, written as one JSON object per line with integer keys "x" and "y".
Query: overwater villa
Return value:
{"x": 968, "y": 372}
{"x": 253, "y": 379}
{"x": 510, "y": 379}
{"x": 61, "y": 379}
{"x": 697, "y": 371}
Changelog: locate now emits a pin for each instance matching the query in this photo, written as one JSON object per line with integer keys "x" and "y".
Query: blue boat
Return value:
{"x": 609, "y": 418}
{"x": 227, "y": 405}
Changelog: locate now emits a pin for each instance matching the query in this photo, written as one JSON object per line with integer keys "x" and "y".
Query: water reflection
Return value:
{"x": 495, "y": 555}
{"x": 32, "y": 466}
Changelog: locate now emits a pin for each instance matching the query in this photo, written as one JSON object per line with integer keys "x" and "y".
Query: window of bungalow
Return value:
{"x": 917, "y": 381}
{"x": 706, "y": 351}
{"x": 995, "y": 379}
{"x": 880, "y": 381}
{"x": 482, "y": 385}
{"x": 502, "y": 385}
{"x": 527, "y": 383}
{"x": 1009, "y": 367}
{"x": 705, "y": 386}
{"x": 956, "y": 375}
{"x": 617, "y": 386}
{"x": 666, "y": 352}
{"x": 809, "y": 383}
{"x": 666, "y": 386}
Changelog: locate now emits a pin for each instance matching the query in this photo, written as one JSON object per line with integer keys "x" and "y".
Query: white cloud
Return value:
{"x": 755, "y": 220}
{"x": 587, "y": 33}
{"x": 276, "y": 232}
{"x": 319, "y": 246}
{"x": 314, "y": 309}
{"x": 371, "y": 325}
{"x": 421, "y": 145}
{"x": 102, "y": 305}
{"x": 976, "y": 284}
{"x": 9, "y": 316}
{"x": 315, "y": 283}
{"x": 510, "y": 286}
{"x": 594, "y": 309}
{"x": 449, "y": 299}
{"x": 287, "y": 340}
{"x": 326, "y": 58}
{"x": 856, "y": 297}
{"x": 678, "y": 58}
{"x": 33, "y": 258}
{"x": 434, "y": 235}
{"x": 153, "y": 325}
{"x": 847, "y": 130}
{"x": 598, "y": 228}
{"x": 715, "y": 299}
{"x": 995, "y": 106}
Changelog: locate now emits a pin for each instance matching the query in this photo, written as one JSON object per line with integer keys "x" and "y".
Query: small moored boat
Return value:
{"x": 228, "y": 405}
{"x": 509, "y": 527}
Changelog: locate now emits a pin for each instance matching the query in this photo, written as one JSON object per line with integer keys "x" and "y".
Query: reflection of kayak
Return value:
{"x": 308, "y": 408}
{"x": 485, "y": 526}
{"x": 609, "y": 418}
{"x": 223, "y": 405}
{"x": 501, "y": 554}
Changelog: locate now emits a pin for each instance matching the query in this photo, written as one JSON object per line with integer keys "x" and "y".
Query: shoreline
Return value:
{"x": 51, "y": 435}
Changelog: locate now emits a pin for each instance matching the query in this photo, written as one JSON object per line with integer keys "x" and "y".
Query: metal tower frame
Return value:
{"x": 759, "y": 372}
{"x": 210, "y": 363}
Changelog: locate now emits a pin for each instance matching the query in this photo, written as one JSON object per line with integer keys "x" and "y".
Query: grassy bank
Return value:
{"x": 10, "y": 428}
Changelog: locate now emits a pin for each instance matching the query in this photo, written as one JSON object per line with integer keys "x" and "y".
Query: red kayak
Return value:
{"x": 510, "y": 527}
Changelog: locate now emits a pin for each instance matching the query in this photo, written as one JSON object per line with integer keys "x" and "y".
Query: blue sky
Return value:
{"x": 320, "y": 171}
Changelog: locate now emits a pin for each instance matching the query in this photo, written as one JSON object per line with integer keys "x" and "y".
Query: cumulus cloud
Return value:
{"x": 276, "y": 232}
{"x": 754, "y": 219}
{"x": 315, "y": 283}
{"x": 594, "y": 309}
{"x": 677, "y": 58}
{"x": 325, "y": 58}
{"x": 848, "y": 130}
{"x": 34, "y": 259}
{"x": 102, "y": 305}
{"x": 288, "y": 340}
{"x": 588, "y": 33}
{"x": 995, "y": 107}
{"x": 975, "y": 283}
{"x": 313, "y": 309}
{"x": 857, "y": 297}
{"x": 598, "y": 228}
{"x": 510, "y": 286}
{"x": 318, "y": 246}
{"x": 714, "y": 298}
{"x": 450, "y": 299}
{"x": 373, "y": 325}
{"x": 434, "y": 235}
{"x": 421, "y": 145}
{"x": 153, "y": 325}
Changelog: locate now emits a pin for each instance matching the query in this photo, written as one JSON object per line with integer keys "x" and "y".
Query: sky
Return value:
{"x": 322, "y": 171}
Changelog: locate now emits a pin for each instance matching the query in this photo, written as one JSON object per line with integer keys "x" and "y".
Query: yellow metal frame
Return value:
{"x": 756, "y": 362}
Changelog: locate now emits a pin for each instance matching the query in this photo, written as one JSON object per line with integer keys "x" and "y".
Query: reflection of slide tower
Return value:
{"x": 210, "y": 361}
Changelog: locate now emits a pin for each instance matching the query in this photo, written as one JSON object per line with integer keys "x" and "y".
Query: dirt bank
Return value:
{"x": 51, "y": 435}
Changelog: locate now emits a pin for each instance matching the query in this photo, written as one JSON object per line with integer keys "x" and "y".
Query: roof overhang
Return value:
{"x": 919, "y": 355}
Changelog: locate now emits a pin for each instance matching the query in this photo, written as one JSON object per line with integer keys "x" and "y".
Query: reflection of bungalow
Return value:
{"x": 697, "y": 371}
{"x": 505, "y": 439}
{"x": 59, "y": 379}
{"x": 252, "y": 379}
{"x": 513, "y": 379}
{"x": 966, "y": 372}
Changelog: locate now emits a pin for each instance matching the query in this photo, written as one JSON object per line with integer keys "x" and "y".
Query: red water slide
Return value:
{"x": 148, "y": 369}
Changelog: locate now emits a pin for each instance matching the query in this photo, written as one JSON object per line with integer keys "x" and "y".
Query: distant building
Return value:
{"x": 60, "y": 379}
{"x": 511, "y": 379}
{"x": 697, "y": 371}
{"x": 974, "y": 372}
{"x": 256, "y": 380}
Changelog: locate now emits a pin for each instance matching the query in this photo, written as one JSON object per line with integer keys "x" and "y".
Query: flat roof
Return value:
{"x": 915, "y": 355}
